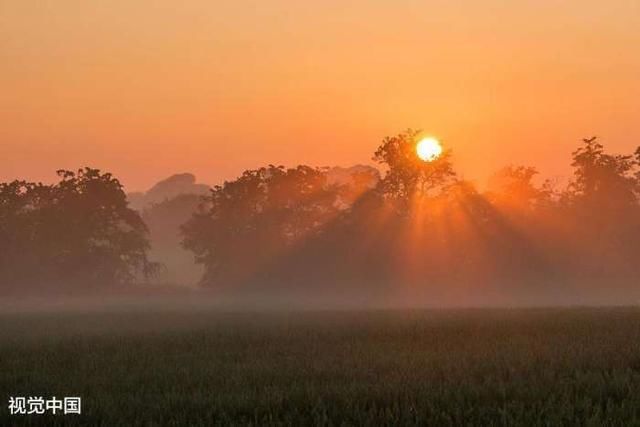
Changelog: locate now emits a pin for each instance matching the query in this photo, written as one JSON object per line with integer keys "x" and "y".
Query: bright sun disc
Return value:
{"x": 429, "y": 149}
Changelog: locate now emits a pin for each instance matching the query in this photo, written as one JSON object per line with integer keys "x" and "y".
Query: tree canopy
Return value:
{"x": 422, "y": 224}
{"x": 78, "y": 232}
{"x": 247, "y": 223}
{"x": 418, "y": 225}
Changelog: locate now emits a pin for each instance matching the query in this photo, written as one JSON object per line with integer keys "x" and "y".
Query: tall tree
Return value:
{"x": 407, "y": 175}
{"x": 246, "y": 224}
{"x": 603, "y": 179}
{"x": 79, "y": 231}
{"x": 602, "y": 205}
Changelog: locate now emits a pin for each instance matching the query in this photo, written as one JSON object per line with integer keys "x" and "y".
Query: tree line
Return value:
{"x": 420, "y": 225}
{"x": 423, "y": 225}
{"x": 77, "y": 232}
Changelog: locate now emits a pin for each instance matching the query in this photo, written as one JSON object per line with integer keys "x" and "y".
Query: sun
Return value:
{"x": 428, "y": 149}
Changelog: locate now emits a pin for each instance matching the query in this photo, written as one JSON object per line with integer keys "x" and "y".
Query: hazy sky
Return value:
{"x": 148, "y": 88}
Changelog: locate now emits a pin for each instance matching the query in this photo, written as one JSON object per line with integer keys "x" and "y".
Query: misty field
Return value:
{"x": 175, "y": 366}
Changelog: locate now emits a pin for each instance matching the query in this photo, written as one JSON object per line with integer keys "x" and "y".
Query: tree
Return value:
{"x": 601, "y": 206}
{"x": 246, "y": 224}
{"x": 513, "y": 191}
{"x": 79, "y": 231}
{"x": 604, "y": 180}
{"x": 407, "y": 175}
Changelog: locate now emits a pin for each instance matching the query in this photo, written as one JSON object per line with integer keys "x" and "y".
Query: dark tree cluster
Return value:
{"x": 247, "y": 225}
{"x": 422, "y": 226}
{"x": 419, "y": 226}
{"x": 78, "y": 232}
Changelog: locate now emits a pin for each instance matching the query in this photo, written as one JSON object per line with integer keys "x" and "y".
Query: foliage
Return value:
{"x": 246, "y": 222}
{"x": 406, "y": 173}
{"x": 79, "y": 231}
{"x": 603, "y": 179}
{"x": 421, "y": 224}
{"x": 514, "y": 190}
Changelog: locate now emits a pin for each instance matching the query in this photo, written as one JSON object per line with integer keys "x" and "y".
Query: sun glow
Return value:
{"x": 428, "y": 149}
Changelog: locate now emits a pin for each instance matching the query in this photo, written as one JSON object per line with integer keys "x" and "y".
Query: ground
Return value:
{"x": 180, "y": 366}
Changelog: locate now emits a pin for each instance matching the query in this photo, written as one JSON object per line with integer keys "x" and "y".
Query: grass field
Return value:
{"x": 208, "y": 367}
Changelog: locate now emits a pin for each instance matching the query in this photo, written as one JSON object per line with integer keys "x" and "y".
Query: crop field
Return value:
{"x": 205, "y": 367}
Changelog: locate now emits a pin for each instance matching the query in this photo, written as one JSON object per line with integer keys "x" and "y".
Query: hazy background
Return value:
{"x": 148, "y": 88}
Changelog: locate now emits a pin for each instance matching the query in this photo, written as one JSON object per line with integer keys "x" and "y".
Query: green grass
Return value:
{"x": 206, "y": 367}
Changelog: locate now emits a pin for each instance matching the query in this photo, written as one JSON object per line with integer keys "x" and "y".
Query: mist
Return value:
{"x": 410, "y": 234}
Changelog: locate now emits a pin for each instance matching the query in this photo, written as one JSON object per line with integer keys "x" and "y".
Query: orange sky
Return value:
{"x": 148, "y": 88}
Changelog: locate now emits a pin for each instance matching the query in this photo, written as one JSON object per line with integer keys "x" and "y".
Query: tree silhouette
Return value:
{"x": 602, "y": 210}
{"x": 604, "y": 180}
{"x": 513, "y": 191}
{"x": 407, "y": 175}
{"x": 79, "y": 231}
{"x": 245, "y": 224}
{"x": 421, "y": 224}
